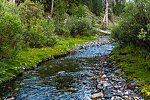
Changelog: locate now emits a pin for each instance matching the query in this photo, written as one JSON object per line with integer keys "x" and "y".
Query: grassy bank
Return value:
{"x": 28, "y": 58}
{"x": 135, "y": 62}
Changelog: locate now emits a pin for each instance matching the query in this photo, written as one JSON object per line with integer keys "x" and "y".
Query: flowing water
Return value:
{"x": 65, "y": 78}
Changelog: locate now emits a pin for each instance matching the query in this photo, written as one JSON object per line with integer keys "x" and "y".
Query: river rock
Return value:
{"x": 118, "y": 72}
{"x": 126, "y": 98}
{"x": 118, "y": 98}
{"x": 97, "y": 95}
{"x": 61, "y": 72}
{"x": 109, "y": 96}
{"x": 104, "y": 77}
{"x": 100, "y": 86}
{"x": 132, "y": 84}
{"x": 113, "y": 98}
{"x": 119, "y": 93}
{"x": 136, "y": 98}
{"x": 126, "y": 92}
{"x": 10, "y": 98}
{"x": 117, "y": 87}
{"x": 86, "y": 98}
{"x": 73, "y": 89}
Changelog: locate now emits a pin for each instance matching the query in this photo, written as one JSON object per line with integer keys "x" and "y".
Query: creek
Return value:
{"x": 74, "y": 77}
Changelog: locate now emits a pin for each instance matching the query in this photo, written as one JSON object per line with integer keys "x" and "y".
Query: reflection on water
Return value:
{"x": 59, "y": 79}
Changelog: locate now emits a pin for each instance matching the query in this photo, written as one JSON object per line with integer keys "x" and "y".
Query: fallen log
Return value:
{"x": 103, "y": 31}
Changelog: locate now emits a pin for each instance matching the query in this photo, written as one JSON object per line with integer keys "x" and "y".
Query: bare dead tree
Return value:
{"x": 52, "y": 8}
{"x": 12, "y": 1}
{"x": 105, "y": 19}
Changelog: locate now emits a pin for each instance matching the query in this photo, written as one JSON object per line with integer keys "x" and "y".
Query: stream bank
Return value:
{"x": 135, "y": 62}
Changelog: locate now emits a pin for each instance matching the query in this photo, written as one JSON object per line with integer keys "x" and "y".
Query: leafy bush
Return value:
{"x": 61, "y": 26}
{"x": 74, "y": 26}
{"x": 82, "y": 11}
{"x": 81, "y": 22}
{"x": 80, "y": 26}
{"x": 10, "y": 32}
{"x": 29, "y": 10}
{"x": 133, "y": 28}
{"x": 40, "y": 33}
{"x": 38, "y": 30}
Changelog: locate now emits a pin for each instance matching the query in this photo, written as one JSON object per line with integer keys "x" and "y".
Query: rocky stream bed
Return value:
{"x": 88, "y": 74}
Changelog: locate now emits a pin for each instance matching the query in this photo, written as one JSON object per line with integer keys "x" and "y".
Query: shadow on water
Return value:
{"x": 66, "y": 78}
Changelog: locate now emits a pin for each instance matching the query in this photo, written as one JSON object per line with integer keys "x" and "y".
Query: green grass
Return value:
{"x": 135, "y": 62}
{"x": 28, "y": 58}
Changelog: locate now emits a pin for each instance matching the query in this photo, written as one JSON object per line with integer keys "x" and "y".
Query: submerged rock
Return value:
{"x": 109, "y": 96}
{"x": 61, "y": 72}
{"x": 73, "y": 89}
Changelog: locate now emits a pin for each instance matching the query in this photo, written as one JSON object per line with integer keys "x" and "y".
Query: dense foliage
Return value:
{"x": 80, "y": 23}
{"x": 10, "y": 31}
{"x": 133, "y": 35}
{"x": 38, "y": 30}
{"x": 28, "y": 24}
{"x": 135, "y": 25}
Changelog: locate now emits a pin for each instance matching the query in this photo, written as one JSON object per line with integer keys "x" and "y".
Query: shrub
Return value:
{"x": 80, "y": 22}
{"x": 10, "y": 34}
{"x": 40, "y": 33}
{"x": 29, "y": 10}
{"x": 133, "y": 28}
{"x": 82, "y": 11}
{"x": 61, "y": 26}
{"x": 80, "y": 26}
{"x": 38, "y": 30}
{"x": 74, "y": 26}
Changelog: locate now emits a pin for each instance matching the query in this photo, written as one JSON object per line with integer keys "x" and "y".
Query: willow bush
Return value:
{"x": 135, "y": 24}
{"x": 10, "y": 31}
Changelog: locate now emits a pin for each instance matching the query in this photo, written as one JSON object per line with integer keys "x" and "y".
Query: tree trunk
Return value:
{"x": 114, "y": 2}
{"x": 106, "y": 13}
{"x": 52, "y": 7}
{"x": 12, "y": 1}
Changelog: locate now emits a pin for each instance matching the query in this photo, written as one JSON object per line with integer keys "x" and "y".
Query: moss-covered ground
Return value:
{"x": 135, "y": 62}
{"x": 28, "y": 58}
